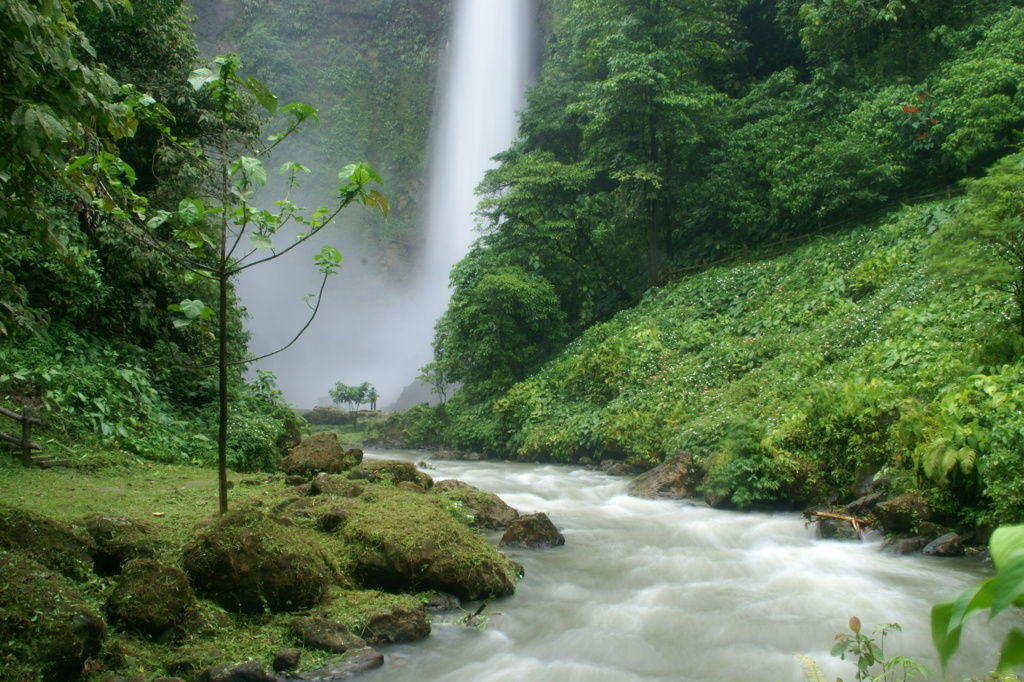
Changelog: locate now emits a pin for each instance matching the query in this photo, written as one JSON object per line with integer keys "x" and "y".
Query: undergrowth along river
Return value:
{"x": 665, "y": 590}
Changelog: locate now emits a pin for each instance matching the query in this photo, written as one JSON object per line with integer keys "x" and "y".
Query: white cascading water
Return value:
{"x": 490, "y": 65}
{"x": 675, "y": 591}
{"x": 368, "y": 329}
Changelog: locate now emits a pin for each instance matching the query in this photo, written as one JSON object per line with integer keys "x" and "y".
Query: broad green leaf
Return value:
{"x": 129, "y": 172}
{"x": 158, "y": 219}
{"x": 253, "y": 170}
{"x": 293, "y": 167}
{"x": 80, "y": 161}
{"x": 260, "y": 242}
{"x": 1005, "y": 541}
{"x": 1011, "y": 654}
{"x": 190, "y": 211}
{"x": 328, "y": 259}
{"x": 375, "y": 198}
{"x": 201, "y": 77}
{"x": 266, "y": 98}
{"x": 192, "y": 309}
{"x": 301, "y": 111}
{"x": 975, "y": 598}
{"x": 1008, "y": 583}
{"x": 945, "y": 638}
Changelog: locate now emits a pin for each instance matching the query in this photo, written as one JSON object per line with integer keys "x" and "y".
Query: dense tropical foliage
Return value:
{"x": 121, "y": 233}
{"x": 662, "y": 137}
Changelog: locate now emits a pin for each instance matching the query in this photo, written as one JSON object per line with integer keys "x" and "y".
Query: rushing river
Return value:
{"x": 665, "y": 590}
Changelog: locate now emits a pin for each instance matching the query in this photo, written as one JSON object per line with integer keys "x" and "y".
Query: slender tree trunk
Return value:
{"x": 222, "y": 337}
{"x": 222, "y": 389}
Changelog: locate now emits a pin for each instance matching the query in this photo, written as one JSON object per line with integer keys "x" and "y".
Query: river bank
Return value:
{"x": 642, "y": 589}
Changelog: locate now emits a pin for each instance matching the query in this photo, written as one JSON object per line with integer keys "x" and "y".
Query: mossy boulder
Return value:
{"x": 152, "y": 598}
{"x": 403, "y": 541}
{"x": 903, "y": 512}
{"x": 532, "y": 530}
{"x": 250, "y": 561}
{"x": 47, "y": 628}
{"x": 324, "y": 634}
{"x": 120, "y": 539}
{"x": 335, "y": 484}
{"x": 398, "y": 623}
{"x": 391, "y": 471}
{"x": 487, "y": 510}
{"x": 678, "y": 477}
{"x": 54, "y": 545}
{"x": 322, "y": 452}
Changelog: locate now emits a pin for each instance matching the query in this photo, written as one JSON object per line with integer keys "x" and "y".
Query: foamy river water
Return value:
{"x": 666, "y": 590}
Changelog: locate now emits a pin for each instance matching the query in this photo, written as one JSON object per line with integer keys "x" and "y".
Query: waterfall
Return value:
{"x": 490, "y": 65}
{"x": 375, "y": 331}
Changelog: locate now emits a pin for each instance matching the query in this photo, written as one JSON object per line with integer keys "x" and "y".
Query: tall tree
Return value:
{"x": 242, "y": 233}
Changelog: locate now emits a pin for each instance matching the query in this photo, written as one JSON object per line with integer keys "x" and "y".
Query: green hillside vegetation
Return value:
{"x": 662, "y": 137}
{"x": 793, "y": 377}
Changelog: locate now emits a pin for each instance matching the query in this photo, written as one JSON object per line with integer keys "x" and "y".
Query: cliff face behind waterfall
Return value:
{"x": 371, "y": 68}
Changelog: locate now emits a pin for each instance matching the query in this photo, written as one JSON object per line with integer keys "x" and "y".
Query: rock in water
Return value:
{"x": 399, "y": 623}
{"x": 405, "y": 541}
{"x": 487, "y": 510}
{"x": 949, "y": 544}
{"x": 675, "y": 478}
{"x": 533, "y": 530}
{"x": 326, "y": 635}
{"x": 354, "y": 661}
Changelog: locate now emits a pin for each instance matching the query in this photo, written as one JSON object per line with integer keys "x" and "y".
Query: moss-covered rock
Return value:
{"x": 391, "y": 471}
{"x": 676, "y": 478}
{"x": 532, "y": 530}
{"x": 54, "y": 545}
{"x": 334, "y": 484}
{"x": 324, "y": 634}
{"x": 250, "y": 561}
{"x": 120, "y": 539}
{"x": 321, "y": 452}
{"x": 398, "y": 623}
{"x": 47, "y": 629}
{"x": 903, "y": 512}
{"x": 486, "y": 510}
{"x": 404, "y": 541}
{"x": 152, "y": 598}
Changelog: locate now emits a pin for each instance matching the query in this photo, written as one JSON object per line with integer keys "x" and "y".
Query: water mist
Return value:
{"x": 371, "y": 330}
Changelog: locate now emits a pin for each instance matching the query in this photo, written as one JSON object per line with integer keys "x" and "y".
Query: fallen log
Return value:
{"x": 858, "y": 524}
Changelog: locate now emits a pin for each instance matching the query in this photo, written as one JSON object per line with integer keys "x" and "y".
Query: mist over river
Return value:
{"x": 668, "y": 590}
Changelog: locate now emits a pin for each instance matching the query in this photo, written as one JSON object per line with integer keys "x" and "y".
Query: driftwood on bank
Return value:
{"x": 859, "y": 525}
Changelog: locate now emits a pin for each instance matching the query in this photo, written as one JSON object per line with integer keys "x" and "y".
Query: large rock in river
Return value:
{"x": 44, "y": 623}
{"x": 486, "y": 510}
{"x": 249, "y": 561}
{"x": 532, "y": 530}
{"x": 406, "y": 541}
{"x": 675, "y": 478}
{"x": 391, "y": 471}
{"x": 322, "y": 452}
{"x": 903, "y": 512}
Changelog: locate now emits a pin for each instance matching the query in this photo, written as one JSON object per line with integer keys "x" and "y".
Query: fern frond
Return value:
{"x": 812, "y": 671}
{"x": 968, "y": 457}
